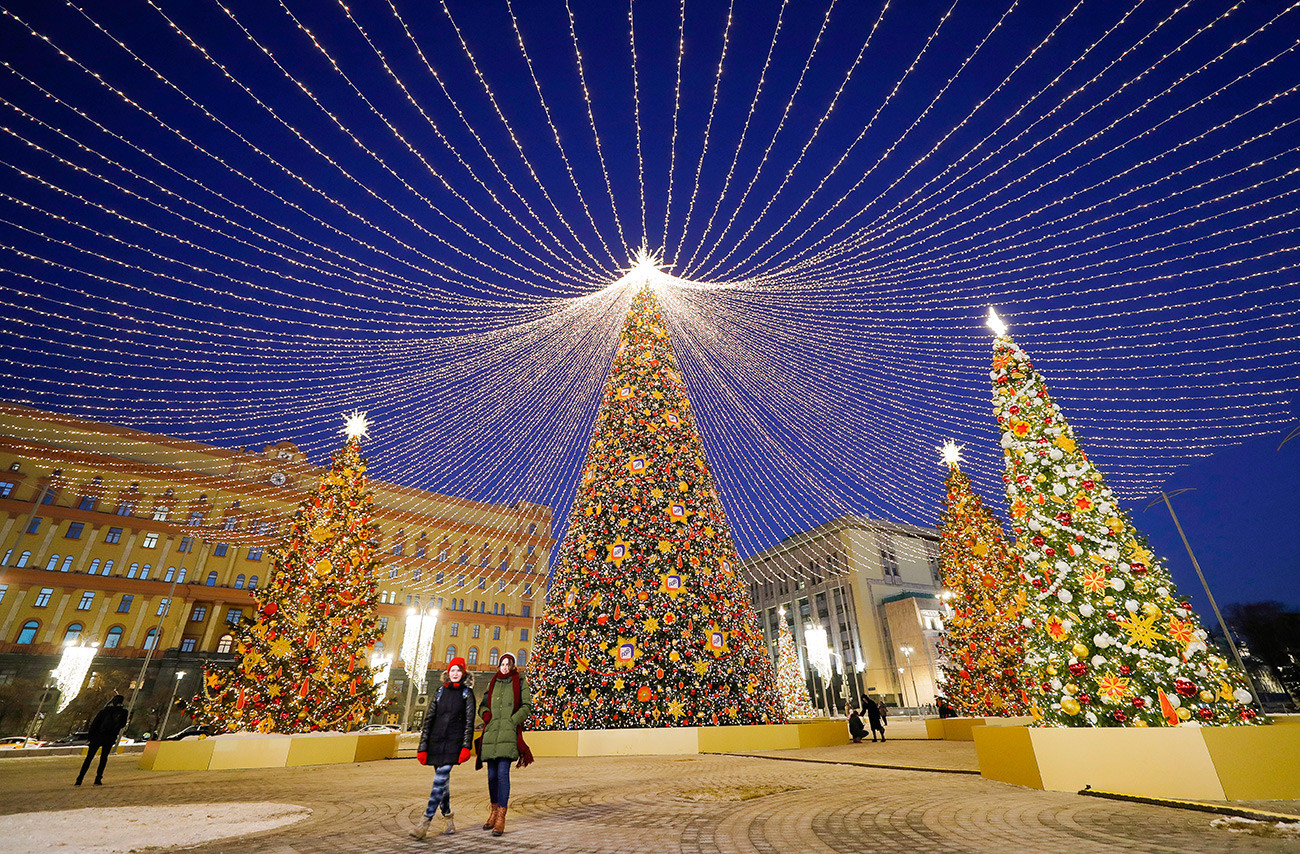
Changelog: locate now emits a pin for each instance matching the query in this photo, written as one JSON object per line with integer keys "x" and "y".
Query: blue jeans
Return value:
{"x": 499, "y": 781}
{"x": 441, "y": 794}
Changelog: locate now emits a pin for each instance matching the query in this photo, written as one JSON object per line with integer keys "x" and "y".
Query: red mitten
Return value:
{"x": 464, "y": 754}
{"x": 422, "y": 757}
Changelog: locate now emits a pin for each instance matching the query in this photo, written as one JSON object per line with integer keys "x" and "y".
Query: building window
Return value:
{"x": 72, "y": 634}
{"x": 94, "y": 567}
{"x": 438, "y": 577}
{"x": 231, "y": 522}
{"x": 124, "y": 607}
{"x": 4, "y": 588}
{"x": 482, "y": 584}
{"x": 74, "y": 530}
{"x": 493, "y": 656}
{"x": 531, "y": 548}
{"x": 134, "y": 568}
{"x": 460, "y": 581}
{"x": 451, "y": 651}
{"x": 114, "y": 535}
{"x": 150, "y": 541}
{"x": 199, "y": 614}
{"x": 187, "y": 544}
{"x": 6, "y": 487}
{"x": 532, "y": 529}
{"x": 52, "y": 564}
{"x": 889, "y": 562}
{"x": 419, "y": 551}
{"x": 474, "y": 632}
{"x": 472, "y": 658}
{"x": 125, "y": 508}
{"x": 27, "y": 633}
{"x": 255, "y": 553}
{"x": 67, "y": 564}
{"x": 164, "y": 605}
{"x": 522, "y": 658}
{"x": 144, "y": 573}
{"x": 496, "y": 633}
{"x": 34, "y": 526}
{"x": 160, "y": 515}
{"x": 108, "y": 568}
{"x": 150, "y": 638}
{"x": 212, "y": 579}
{"x": 113, "y": 638}
{"x": 23, "y": 558}
{"x": 86, "y": 503}
{"x": 383, "y": 625}
{"x": 169, "y": 574}
{"x": 196, "y": 519}
{"x": 43, "y": 598}
{"x": 252, "y": 582}
{"x": 187, "y": 644}
{"x": 455, "y": 629}
{"x": 525, "y": 610}
{"x": 226, "y": 643}
{"x": 501, "y": 586}
{"x": 87, "y": 599}
{"x": 523, "y": 634}
{"x": 239, "y": 581}
{"x": 234, "y": 615}
{"x": 417, "y": 574}
{"x": 398, "y": 548}
{"x": 219, "y": 550}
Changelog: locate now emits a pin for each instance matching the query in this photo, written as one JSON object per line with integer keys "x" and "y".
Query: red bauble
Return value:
{"x": 1205, "y": 712}
{"x": 270, "y": 608}
{"x": 1125, "y": 670}
{"x": 1139, "y": 703}
{"x": 1079, "y": 668}
{"x": 1119, "y": 716}
{"x": 1184, "y": 686}
{"x": 1085, "y": 699}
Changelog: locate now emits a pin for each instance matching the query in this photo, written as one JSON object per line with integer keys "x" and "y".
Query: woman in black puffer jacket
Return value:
{"x": 445, "y": 741}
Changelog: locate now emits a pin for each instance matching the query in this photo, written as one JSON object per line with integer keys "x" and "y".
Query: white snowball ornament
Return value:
{"x": 1241, "y": 695}
{"x": 1055, "y": 453}
{"x": 1058, "y": 489}
{"x": 1065, "y": 596}
{"x": 1086, "y": 610}
{"x": 1117, "y": 584}
{"x": 1131, "y": 605}
{"x": 1098, "y": 660}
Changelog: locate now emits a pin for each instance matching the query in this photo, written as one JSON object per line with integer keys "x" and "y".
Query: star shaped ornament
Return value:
{"x": 355, "y": 426}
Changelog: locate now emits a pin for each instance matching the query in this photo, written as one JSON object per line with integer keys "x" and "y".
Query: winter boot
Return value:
{"x": 448, "y": 825}
{"x": 500, "y": 826}
{"x": 421, "y": 829}
{"x": 492, "y": 818}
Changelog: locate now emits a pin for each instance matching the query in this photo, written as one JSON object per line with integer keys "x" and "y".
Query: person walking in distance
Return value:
{"x": 103, "y": 735}
{"x": 445, "y": 741}
{"x": 876, "y": 716}
{"x": 505, "y": 707}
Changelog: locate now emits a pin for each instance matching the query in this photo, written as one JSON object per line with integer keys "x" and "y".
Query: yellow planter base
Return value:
{"x": 1193, "y": 763}
{"x": 686, "y": 740}
{"x": 250, "y": 750}
{"x": 959, "y": 729}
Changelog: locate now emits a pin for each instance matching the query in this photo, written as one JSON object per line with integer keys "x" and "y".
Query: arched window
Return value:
{"x": 23, "y": 558}
{"x": 473, "y": 655}
{"x": 94, "y": 567}
{"x": 150, "y": 638}
{"x": 27, "y": 633}
{"x": 239, "y": 581}
{"x": 451, "y": 650}
{"x": 180, "y": 579}
{"x": 144, "y": 573}
{"x": 130, "y": 573}
{"x": 493, "y": 656}
{"x": 252, "y": 582}
{"x": 108, "y": 568}
{"x": 522, "y": 658}
{"x": 73, "y": 633}
{"x": 169, "y": 574}
{"x": 113, "y": 638}
{"x": 53, "y": 563}
{"x": 67, "y": 564}
{"x": 226, "y": 643}
{"x": 212, "y": 579}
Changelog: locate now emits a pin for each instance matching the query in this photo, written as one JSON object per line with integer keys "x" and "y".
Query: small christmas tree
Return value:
{"x": 1110, "y": 641}
{"x": 303, "y": 663}
{"x": 647, "y": 622}
{"x": 982, "y": 638}
{"x": 789, "y": 676}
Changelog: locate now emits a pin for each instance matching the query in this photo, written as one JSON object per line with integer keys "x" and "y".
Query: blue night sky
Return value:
{"x": 235, "y": 222}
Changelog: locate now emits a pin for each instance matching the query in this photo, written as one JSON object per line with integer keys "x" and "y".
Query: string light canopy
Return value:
{"x": 231, "y": 222}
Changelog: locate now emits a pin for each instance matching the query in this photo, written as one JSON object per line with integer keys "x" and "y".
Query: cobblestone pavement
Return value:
{"x": 713, "y": 804}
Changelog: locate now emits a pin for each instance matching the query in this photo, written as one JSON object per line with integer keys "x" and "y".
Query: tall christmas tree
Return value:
{"x": 1110, "y": 641}
{"x": 789, "y": 676}
{"x": 647, "y": 623}
{"x": 982, "y": 641}
{"x": 303, "y": 662}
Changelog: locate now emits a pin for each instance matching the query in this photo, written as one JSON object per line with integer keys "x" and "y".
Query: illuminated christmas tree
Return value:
{"x": 647, "y": 623}
{"x": 1110, "y": 641}
{"x": 303, "y": 662}
{"x": 982, "y": 638}
{"x": 789, "y": 676}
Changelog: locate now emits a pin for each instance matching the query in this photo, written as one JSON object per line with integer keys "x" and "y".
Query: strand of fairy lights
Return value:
{"x": 677, "y": 105}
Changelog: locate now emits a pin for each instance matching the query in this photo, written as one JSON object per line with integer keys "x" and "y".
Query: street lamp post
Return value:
{"x": 1227, "y": 635}
{"x": 916, "y": 696}
{"x": 416, "y": 662}
{"x": 162, "y": 730}
{"x": 37, "y": 722}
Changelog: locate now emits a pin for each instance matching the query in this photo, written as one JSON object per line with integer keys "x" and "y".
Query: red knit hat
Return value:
{"x": 457, "y": 662}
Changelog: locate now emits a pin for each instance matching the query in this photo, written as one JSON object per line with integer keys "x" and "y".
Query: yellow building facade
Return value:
{"x": 149, "y": 546}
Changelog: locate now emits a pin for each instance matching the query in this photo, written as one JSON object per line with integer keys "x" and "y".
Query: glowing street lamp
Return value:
{"x": 916, "y": 696}
{"x": 71, "y": 672}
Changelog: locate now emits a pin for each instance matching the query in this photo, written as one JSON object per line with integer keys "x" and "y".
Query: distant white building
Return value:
{"x": 873, "y": 587}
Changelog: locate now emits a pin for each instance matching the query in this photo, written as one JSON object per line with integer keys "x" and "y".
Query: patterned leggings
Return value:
{"x": 499, "y": 781}
{"x": 441, "y": 794}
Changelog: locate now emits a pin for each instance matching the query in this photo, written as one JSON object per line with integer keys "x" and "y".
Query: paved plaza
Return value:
{"x": 716, "y": 804}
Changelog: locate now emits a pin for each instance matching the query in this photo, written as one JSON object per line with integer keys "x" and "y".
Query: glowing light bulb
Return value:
{"x": 355, "y": 426}
{"x": 951, "y": 453}
{"x": 995, "y": 323}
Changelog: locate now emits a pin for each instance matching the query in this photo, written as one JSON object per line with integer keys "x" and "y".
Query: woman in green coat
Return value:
{"x": 505, "y": 707}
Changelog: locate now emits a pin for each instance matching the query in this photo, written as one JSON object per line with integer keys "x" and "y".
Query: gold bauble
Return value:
{"x": 1108, "y": 601}
{"x": 1206, "y": 696}
{"x": 1080, "y": 651}
{"x": 1070, "y": 706}
{"x": 1071, "y": 688}
{"x": 1050, "y": 670}
{"x": 1183, "y": 713}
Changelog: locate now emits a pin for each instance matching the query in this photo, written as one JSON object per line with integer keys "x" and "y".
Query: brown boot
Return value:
{"x": 492, "y": 818}
{"x": 500, "y": 826}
